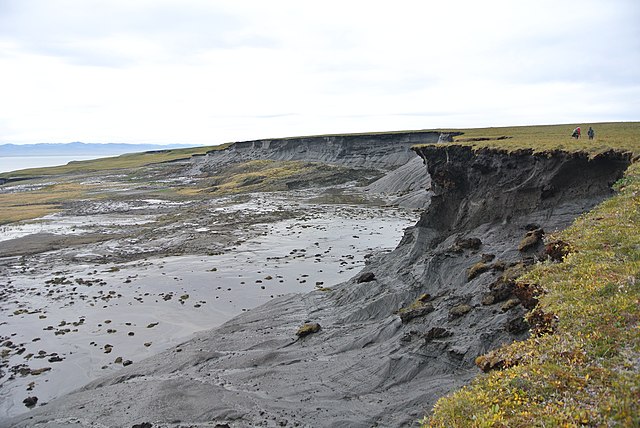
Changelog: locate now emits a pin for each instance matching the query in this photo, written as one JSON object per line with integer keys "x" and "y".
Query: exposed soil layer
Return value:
{"x": 389, "y": 341}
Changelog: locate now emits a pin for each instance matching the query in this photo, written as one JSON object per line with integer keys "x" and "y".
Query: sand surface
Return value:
{"x": 75, "y": 312}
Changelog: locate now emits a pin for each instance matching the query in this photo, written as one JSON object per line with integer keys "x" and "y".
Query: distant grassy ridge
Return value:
{"x": 586, "y": 373}
{"x": 131, "y": 160}
{"x": 610, "y": 135}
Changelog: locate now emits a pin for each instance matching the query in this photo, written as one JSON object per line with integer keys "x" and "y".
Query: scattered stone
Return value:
{"x": 307, "y": 329}
{"x": 55, "y": 359}
{"x": 127, "y": 363}
{"x": 142, "y": 425}
{"x": 30, "y": 401}
{"x": 487, "y": 258}
{"x": 37, "y": 372}
{"x": 153, "y": 324}
{"x": 118, "y": 360}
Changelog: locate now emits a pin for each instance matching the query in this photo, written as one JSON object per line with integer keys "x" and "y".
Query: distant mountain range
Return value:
{"x": 80, "y": 149}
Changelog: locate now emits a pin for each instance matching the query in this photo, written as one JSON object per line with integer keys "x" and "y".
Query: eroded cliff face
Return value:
{"x": 394, "y": 338}
{"x": 377, "y": 151}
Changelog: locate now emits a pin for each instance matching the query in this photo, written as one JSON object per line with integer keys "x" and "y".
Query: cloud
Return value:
{"x": 206, "y": 71}
{"x": 122, "y": 33}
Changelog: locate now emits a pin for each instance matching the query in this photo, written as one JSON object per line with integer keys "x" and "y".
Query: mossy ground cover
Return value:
{"x": 612, "y": 135}
{"x": 587, "y": 372}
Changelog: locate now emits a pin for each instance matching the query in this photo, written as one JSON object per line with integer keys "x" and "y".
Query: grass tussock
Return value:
{"x": 587, "y": 372}
{"x": 37, "y": 203}
{"x": 262, "y": 175}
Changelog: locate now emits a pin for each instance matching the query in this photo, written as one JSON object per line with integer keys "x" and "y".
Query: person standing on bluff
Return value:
{"x": 576, "y": 133}
{"x": 591, "y": 133}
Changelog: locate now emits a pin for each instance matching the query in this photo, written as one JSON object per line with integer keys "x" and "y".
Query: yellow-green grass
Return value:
{"x": 258, "y": 175}
{"x": 37, "y": 203}
{"x": 613, "y": 135}
{"x": 131, "y": 160}
{"x": 587, "y": 373}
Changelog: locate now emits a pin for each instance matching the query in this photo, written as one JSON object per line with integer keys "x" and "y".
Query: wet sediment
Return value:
{"x": 391, "y": 339}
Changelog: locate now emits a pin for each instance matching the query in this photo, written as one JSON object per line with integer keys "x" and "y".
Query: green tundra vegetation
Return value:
{"x": 583, "y": 369}
{"x": 615, "y": 135}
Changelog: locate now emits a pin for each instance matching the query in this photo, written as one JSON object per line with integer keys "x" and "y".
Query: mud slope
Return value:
{"x": 393, "y": 339}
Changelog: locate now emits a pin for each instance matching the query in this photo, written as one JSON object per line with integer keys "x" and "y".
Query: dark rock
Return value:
{"x": 30, "y": 401}
{"x": 127, "y": 363}
{"x": 366, "y": 277}
{"x": 486, "y": 258}
{"x": 142, "y": 425}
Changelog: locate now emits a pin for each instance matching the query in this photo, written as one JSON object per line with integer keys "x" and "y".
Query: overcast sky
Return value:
{"x": 186, "y": 71}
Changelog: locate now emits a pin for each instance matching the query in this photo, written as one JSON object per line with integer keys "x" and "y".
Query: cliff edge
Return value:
{"x": 380, "y": 349}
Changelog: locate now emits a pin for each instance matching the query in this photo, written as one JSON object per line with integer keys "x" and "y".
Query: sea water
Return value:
{"x": 14, "y": 163}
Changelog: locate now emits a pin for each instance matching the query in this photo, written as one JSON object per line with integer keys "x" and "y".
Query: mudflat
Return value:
{"x": 135, "y": 265}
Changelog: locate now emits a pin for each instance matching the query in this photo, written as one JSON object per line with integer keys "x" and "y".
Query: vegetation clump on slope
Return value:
{"x": 585, "y": 369}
